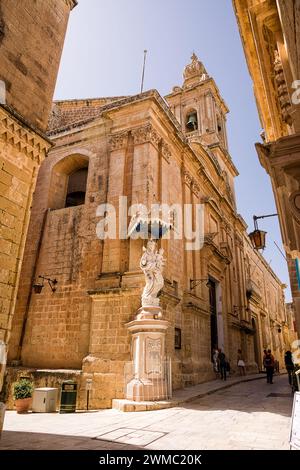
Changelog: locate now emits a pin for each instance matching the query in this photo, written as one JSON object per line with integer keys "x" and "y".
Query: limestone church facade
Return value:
{"x": 152, "y": 151}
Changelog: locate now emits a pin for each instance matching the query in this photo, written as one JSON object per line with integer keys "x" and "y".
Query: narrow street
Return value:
{"x": 251, "y": 415}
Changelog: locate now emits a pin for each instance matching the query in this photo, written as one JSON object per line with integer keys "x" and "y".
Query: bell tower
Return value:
{"x": 199, "y": 107}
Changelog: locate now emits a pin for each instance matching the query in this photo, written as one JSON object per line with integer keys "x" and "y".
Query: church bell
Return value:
{"x": 192, "y": 123}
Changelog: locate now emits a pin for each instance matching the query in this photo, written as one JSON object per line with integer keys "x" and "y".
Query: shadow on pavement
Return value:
{"x": 12, "y": 440}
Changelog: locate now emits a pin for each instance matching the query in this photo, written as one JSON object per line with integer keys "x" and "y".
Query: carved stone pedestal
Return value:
{"x": 151, "y": 380}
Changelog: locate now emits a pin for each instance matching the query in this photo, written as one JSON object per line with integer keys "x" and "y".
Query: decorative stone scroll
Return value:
{"x": 195, "y": 69}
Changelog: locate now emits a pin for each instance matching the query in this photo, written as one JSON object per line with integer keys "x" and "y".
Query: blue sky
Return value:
{"x": 103, "y": 56}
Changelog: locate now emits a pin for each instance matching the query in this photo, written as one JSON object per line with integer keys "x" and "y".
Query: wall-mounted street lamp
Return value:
{"x": 195, "y": 282}
{"x": 38, "y": 286}
{"x": 258, "y": 237}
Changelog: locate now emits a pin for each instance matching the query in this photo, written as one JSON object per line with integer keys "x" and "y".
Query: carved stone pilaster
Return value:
{"x": 145, "y": 134}
{"x": 165, "y": 151}
{"x": 118, "y": 141}
{"x": 282, "y": 91}
{"x": 226, "y": 227}
{"x": 195, "y": 188}
{"x": 188, "y": 180}
{"x": 239, "y": 241}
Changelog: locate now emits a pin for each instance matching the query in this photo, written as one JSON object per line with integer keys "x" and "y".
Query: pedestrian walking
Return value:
{"x": 269, "y": 365}
{"x": 215, "y": 360}
{"x": 222, "y": 364}
{"x": 289, "y": 365}
{"x": 264, "y": 356}
{"x": 241, "y": 362}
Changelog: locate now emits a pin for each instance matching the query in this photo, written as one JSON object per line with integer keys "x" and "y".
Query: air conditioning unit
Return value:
{"x": 44, "y": 400}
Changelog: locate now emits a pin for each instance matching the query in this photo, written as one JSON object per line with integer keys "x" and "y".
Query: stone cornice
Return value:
{"x": 23, "y": 138}
{"x": 283, "y": 147}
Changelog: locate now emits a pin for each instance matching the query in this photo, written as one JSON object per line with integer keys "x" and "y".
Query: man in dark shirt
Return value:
{"x": 269, "y": 365}
{"x": 288, "y": 360}
{"x": 222, "y": 365}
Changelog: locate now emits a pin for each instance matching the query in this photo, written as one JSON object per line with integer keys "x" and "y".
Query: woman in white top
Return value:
{"x": 241, "y": 363}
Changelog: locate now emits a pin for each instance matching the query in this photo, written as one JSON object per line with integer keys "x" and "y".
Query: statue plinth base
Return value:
{"x": 151, "y": 377}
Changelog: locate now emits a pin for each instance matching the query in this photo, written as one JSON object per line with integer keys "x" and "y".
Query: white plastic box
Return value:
{"x": 44, "y": 400}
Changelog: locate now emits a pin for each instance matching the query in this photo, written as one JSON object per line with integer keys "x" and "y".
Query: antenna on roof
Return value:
{"x": 143, "y": 74}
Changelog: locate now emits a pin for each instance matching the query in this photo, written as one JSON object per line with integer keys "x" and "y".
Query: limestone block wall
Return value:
{"x": 110, "y": 343}
{"x": 61, "y": 244}
{"x": 21, "y": 151}
{"x": 31, "y": 41}
{"x": 57, "y": 331}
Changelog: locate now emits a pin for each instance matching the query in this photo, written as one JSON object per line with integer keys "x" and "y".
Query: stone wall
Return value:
{"x": 32, "y": 39}
{"x": 21, "y": 151}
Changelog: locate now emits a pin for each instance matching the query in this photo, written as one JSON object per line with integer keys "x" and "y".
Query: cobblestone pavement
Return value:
{"x": 251, "y": 415}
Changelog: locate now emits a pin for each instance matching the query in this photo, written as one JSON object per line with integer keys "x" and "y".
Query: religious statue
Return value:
{"x": 152, "y": 263}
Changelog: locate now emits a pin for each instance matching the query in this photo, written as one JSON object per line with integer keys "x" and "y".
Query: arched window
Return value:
{"x": 191, "y": 122}
{"x": 68, "y": 182}
{"x": 76, "y": 188}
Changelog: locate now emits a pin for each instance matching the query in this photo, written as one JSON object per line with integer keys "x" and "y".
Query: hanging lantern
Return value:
{"x": 258, "y": 239}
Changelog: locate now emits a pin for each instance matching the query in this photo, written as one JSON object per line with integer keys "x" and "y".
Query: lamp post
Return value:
{"x": 258, "y": 237}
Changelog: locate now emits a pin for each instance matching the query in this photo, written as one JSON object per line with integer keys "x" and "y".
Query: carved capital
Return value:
{"x": 144, "y": 134}
{"x": 118, "y": 141}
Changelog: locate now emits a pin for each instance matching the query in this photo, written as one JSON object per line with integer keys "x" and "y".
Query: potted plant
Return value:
{"x": 23, "y": 390}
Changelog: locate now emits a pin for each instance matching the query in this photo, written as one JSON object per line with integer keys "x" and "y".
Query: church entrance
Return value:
{"x": 213, "y": 315}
